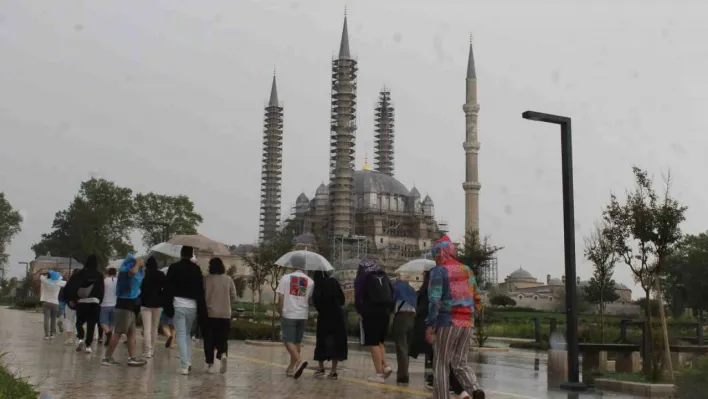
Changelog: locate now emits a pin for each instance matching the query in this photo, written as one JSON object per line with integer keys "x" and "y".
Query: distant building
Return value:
{"x": 43, "y": 264}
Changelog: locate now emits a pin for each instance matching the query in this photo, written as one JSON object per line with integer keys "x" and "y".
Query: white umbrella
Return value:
{"x": 168, "y": 249}
{"x": 202, "y": 243}
{"x": 304, "y": 260}
{"x": 416, "y": 266}
{"x": 164, "y": 269}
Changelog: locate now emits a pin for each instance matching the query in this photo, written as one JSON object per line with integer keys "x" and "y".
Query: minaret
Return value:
{"x": 272, "y": 169}
{"x": 384, "y": 117}
{"x": 342, "y": 139}
{"x": 471, "y": 146}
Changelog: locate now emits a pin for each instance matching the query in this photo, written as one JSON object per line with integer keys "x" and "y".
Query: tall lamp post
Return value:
{"x": 571, "y": 297}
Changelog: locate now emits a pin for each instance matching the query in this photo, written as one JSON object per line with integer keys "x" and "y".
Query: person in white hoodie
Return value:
{"x": 50, "y": 285}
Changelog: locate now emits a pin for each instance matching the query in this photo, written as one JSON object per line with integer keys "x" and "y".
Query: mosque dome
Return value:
{"x": 302, "y": 199}
{"x": 369, "y": 181}
{"x": 414, "y": 193}
{"x": 521, "y": 274}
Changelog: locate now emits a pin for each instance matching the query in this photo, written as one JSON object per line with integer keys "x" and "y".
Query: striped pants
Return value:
{"x": 451, "y": 347}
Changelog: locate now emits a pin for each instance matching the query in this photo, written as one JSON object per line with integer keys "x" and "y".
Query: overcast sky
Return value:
{"x": 168, "y": 96}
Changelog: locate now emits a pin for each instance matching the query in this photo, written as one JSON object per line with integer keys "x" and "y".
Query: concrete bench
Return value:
{"x": 595, "y": 359}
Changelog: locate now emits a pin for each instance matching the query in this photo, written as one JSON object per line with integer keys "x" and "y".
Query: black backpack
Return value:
{"x": 378, "y": 290}
{"x": 88, "y": 280}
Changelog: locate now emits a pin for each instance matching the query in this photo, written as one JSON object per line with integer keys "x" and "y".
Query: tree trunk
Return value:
{"x": 649, "y": 339}
{"x": 662, "y": 315}
{"x": 602, "y": 315}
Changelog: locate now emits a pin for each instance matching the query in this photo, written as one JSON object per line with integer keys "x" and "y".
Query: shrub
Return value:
{"x": 14, "y": 387}
{"x": 242, "y": 330}
{"x": 502, "y": 300}
{"x": 27, "y": 303}
{"x": 693, "y": 383}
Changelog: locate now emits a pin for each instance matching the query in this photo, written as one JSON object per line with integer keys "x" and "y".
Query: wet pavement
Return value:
{"x": 254, "y": 371}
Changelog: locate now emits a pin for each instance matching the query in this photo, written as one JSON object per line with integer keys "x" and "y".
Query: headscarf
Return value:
{"x": 366, "y": 267}
{"x": 326, "y": 290}
{"x": 54, "y": 276}
{"x": 151, "y": 264}
{"x": 91, "y": 263}
{"x": 444, "y": 251}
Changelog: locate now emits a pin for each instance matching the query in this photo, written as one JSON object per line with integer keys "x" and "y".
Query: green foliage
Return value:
{"x": 10, "y": 226}
{"x": 693, "y": 383}
{"x": 98, "y": 221}
{"x": 243, "y": 329}
{"x": 653, "y": 307}
{"x": 27, "y": 303}
{"x": 686, "y": 280}
{"x": 477, "y": 253}
{"x": 161, "y": 216}
{"x": 502, "y": 300}
{"x": 7, "y": 285}
{"x": 12, "y": 386}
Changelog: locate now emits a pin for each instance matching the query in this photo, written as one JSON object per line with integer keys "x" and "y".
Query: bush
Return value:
{"x": 14, "y": 387}
{"x": 541, "y": 346}
{"x": 502, "y": 300}
{"x": 242, "y": 330}
{"x": 27, "y": 303}
{"x": 693, "y": 383}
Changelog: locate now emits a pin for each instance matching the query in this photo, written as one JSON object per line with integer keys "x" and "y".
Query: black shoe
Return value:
{"x": 402, "y": 380}
{"x": 168, "y": 342}
{"x": 478, "y": 394}
{"x": 299, "y": 369}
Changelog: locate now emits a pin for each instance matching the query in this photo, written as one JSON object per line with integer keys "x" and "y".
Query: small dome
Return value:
{"x": 302, "y": 199}
{"x": 322, "y": 189}
{"x": 555, "y": 281}
{"x": 305, "y": 238}
{"x": 521, "y": 274}
{"x": 369, "y": 181}
{"x": 414, "y": 193}
{"x": 427, "y": 200}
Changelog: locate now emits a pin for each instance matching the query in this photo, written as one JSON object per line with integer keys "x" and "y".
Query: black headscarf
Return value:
{"x": 327, "y": 292}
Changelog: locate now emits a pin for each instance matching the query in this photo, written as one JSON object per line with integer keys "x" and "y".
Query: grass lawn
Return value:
{"x": 14, "y": 387}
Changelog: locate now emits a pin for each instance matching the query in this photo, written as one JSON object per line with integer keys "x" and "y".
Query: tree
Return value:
{"x": 644, "y": 231}
{"x": 161, "y": 216}
{"x": 98, "y": 221}
{"x": 477, "y": 254}
{"x": 686, "y": 280}
{"x": 502, "y": 300}
{"x": 601, "y": 287}
{"x": 10, "y": 226}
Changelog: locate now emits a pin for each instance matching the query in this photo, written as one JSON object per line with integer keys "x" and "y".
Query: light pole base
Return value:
{"x": 573, "y": 386}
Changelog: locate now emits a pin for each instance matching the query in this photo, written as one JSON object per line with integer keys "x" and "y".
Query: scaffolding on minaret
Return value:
{"x": 272, "y": 167}
{"x": 384, "y": 133}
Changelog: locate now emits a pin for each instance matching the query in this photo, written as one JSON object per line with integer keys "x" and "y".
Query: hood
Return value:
{"x": 128, "y": 263}
{"x": 91, "y": 263}
{"x": 443, "y": 251}
{"x": 151, "y": 264}
{"x": 54, "y": 276}
{"x": 367, "y": 266}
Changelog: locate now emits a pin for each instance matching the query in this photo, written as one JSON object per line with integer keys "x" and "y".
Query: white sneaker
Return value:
{"x": 147, "y": 355}
{"x": 51, "y": 337}
{"x": 224, "y": 364}
{"x": 46, "y": 338}
{"x": 387, "y": 371}
{"x": 69, "y": 341}
{"x": 378, "y": 378}
{"x": 464, "y": 395}
{"x": 80, "y": 345}
{"x": 183, "y": 371}
{"x": 210, "y": 369}
{"x": 88, "y": 350}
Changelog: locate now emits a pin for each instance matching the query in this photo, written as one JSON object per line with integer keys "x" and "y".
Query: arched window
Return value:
{"x": 535, "y": 297}
{"x": 521, "y": 296}
{"x": 550, "y": 298}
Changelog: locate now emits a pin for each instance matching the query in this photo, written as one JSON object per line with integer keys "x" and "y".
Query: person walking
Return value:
{"x": 84, "y": 293}
{"x": 331, "y": 333}
{"x": 107, "y": 317}
{"x": 50, "y": 285}
{"x": 184, "y": 302}
{"x": 403, "y": 326}
{"x": 69, "y": 313}
{"x": 294, "y": 291}
{"x": 220, "y": 292}
{"x": 420, "y": 345}
{"x": 151, "y": 300}
{"x": 454, "y": 300}
{"x": 374, "y": 301}
{"x": 130, "y": 277}
{"x": 168, "y": 329}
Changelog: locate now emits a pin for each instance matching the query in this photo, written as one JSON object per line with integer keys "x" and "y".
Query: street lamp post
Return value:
{"x": 571, "y": 297}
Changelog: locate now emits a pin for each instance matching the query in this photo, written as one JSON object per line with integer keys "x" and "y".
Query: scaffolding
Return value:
{"x": 490, "y": 273}
{"x": 345, "y": 248}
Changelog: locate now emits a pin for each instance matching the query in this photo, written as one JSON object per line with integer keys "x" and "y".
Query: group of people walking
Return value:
{"x": 179, "y": 300}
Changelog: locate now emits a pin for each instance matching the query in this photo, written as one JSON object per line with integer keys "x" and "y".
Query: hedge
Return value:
{"x": 14, "y": 387}
{"x": 243, "y": 329}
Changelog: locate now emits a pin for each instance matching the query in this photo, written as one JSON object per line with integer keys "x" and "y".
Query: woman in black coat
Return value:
{"x": 328, "y": 299}
{"x": 420, "y": 345}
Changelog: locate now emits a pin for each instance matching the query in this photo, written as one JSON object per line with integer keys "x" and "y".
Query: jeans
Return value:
{"x": 216, "y": 336}
{"x": 151, "y": 320}
{"x": 87, "y": 313}
{"x": 183, "y": 320}
{"x": 51, "y": 311}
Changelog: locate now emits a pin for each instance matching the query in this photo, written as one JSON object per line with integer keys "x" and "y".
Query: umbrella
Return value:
{"x": 202, "y": 243}
{"x": 304, "y": 260}
{"x": 416, "y": 266}
{"x": 164, "y": 269}
{"x": 168, "y": 249}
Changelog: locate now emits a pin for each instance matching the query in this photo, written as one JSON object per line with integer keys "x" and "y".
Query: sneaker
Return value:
{"x": 51, "y": 336}
{"x": 332, "y": 376}
{"x": 402, "y": 380}
{"x": 88, "y": 350}
{"x": 478, "y": 394}
{"x": 147, "y": 355}
{"x": 100, "y": 340}
{"x": 387, "y": 371}
{"x": 108, "y": 361}
{"x": 134, "y": 361}
{"x": 319, "y": 373}
{"x": 289, "y": 372}
{"x": 183, "y": 371}
{"x": 224, "y": 364}
{"x": 80, "y": 345}
{"x": 378, "y": 378}
{"x": 209, "y": 369}
{"x": 464, "y": 395}
{"x": 46, "y": 338}
{"x": 168, "y": 342}
{"x": 299, "y": 369}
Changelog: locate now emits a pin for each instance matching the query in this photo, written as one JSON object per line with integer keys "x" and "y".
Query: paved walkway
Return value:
{"x": 254, "y": 371}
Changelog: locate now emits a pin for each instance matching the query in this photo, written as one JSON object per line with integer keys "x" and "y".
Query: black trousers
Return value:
{"x": 216, "y": 337}
{"x": 87, "y": 313}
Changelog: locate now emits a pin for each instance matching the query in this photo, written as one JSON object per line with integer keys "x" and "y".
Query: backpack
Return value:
{"x": 86, "y": 287}
{"x": 378, "y": 290}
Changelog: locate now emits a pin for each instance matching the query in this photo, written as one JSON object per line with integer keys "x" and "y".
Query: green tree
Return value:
{"x": 159, "y": 217}
{"x": 686, "y": 278}
{"x": 10, "y": 226}
{"x": 601, "y": 287}
{"x": 644, "y": 231}
{"x": 502, "y": 300}
{"x": 477, "y": 254}
{"x": 98, "y": 221}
